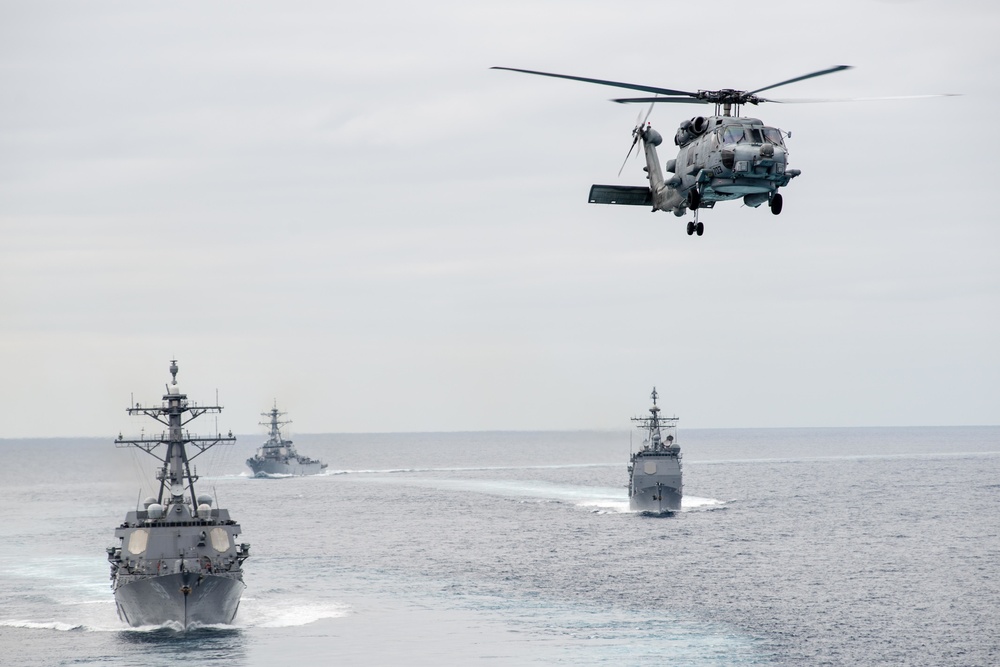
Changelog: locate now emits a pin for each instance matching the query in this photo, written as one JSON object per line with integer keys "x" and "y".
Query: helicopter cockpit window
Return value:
{"x": 732, "y": 134}
{"x": 753, "y": 133}
{"x": 772, "y": 136}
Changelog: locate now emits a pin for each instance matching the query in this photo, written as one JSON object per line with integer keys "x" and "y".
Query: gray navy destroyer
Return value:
{"x": 277, "y": 456}
{"x": 177, "y": 561}
{"x": 655, "y": 470}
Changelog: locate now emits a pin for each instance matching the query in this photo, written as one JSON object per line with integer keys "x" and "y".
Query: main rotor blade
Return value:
{"x": 817, "y": 100}
{"x": 643, "y": 100}
{"x": 602, "y": 82}
{"x": 838, "y": 68}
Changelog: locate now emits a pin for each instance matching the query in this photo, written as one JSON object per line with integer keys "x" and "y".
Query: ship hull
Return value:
{"x": 160, "y": 600}
{"x": 656, "y": 484}
{"x": 657, "y": 500}
{"x": 266, "y": 468}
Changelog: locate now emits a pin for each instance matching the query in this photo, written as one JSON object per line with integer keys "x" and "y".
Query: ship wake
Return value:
{"x": 600, "y": 500}
{"x": 254, "y": 613}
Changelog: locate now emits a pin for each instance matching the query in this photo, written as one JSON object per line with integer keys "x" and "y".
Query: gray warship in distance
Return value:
{"x": 277, "y": 456}
{"x": 177, "y": 561}
{"x": 655, "y": 470}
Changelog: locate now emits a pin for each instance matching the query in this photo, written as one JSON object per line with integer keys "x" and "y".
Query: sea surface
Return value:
{"x": 831, "y": 546}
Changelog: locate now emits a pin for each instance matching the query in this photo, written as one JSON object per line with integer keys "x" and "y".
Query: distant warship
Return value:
{"x": 655, "y": 470}
{"x": 277, "y": 456}
{"x": 177, "y": 560}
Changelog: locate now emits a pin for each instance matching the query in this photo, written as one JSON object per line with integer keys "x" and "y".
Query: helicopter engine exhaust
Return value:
{"x": 699, "y": 124}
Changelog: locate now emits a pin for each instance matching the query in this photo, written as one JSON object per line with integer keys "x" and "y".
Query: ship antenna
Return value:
{"x": 138, "y": 499}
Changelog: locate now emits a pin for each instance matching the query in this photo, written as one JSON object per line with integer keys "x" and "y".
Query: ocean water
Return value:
{"x": 868, "y": 546}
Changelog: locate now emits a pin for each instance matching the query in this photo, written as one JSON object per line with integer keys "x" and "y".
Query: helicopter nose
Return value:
{"x": 769, "y": 154}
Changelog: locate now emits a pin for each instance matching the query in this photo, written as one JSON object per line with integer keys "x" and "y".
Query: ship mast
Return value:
{"x": 654, "y": 423}
{"x": 175, "y": 413}
{"x": 274, "y": 437}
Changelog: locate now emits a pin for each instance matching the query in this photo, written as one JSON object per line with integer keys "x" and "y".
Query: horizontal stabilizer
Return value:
{"x": 627, "y": 195}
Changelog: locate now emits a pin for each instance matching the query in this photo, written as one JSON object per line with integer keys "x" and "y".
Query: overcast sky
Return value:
{"x": 340, "y": 207}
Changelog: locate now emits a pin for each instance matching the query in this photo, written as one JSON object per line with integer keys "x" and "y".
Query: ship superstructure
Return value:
{"x": 655, "y": 470}
{"x": 177, "y": 561}
{"x": 277, "y": 456}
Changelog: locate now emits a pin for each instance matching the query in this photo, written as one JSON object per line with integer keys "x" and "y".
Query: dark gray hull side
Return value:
{"x": 656, "y": 499}
{"x": 261, "y": 468}
{"x": 158, "y": 600}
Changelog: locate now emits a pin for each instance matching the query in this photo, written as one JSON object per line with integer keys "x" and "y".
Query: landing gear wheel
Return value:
{"x": 700, "y": 228}
{"x": 694, "y": 199}
{"x": 775, "y": 203}
{"x": 690, "y": 228}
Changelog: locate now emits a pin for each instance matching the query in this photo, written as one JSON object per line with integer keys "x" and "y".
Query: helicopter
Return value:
{"x": 721, "y": 157}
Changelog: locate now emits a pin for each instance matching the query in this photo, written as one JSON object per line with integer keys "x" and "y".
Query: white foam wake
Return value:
{"x": 601, "y": 500}
{"x": 260, "y": 614}
{"x": 696, "y": 503}
{"x": 60, "y": 626}
{"x": 42, "y": 625}
{"x": 253, "y": 614}
{"x": 378, "y": 471}
{"x": 616, "y": 505}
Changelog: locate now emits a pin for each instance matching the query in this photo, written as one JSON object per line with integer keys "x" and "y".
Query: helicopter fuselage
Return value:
{"x": 722, "y": 158}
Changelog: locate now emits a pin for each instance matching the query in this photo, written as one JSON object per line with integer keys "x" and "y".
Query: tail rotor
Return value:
{"x": 637, "y": 133}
